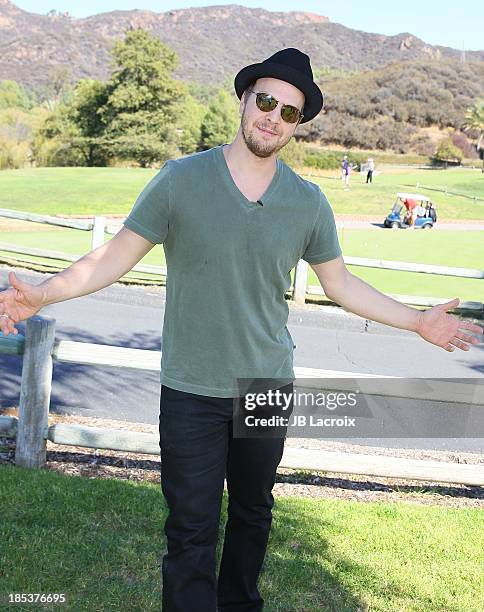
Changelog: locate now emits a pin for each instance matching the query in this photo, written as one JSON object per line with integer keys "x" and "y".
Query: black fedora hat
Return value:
{"x": 292, "y": 66}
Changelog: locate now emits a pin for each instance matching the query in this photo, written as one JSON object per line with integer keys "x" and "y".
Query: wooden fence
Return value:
{"x": 39, "y": 348}
{"x": 300, "y": 289}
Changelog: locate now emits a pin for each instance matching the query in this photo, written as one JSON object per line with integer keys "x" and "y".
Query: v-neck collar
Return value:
{"x": 229, "y": 181}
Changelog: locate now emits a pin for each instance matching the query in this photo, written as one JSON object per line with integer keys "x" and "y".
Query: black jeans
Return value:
{"x": 197, "y": 451}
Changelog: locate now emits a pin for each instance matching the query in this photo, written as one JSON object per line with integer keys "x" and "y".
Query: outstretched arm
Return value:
{"x": 96, "y": 270}
{"x": 433, "y": 325}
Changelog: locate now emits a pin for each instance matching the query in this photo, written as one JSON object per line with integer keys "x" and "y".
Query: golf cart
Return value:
{"x": 419, "y": 212}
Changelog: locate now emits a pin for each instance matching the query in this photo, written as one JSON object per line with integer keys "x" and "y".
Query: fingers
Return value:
{"x": 459, "y": 344}
{"x": 7, "y": 320}
{"x": 449, "y": 305}
{"x": 13, "y": 280}
{"x": 460, "y": 341}
{"x": 467, "y": 338}
{"x": 16, "y": 283}
{"x": 477, "y": 329}
{"x": 7, "y": 327}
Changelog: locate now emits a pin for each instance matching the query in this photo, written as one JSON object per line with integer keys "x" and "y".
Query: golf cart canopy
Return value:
{"x": 413, "y": 196}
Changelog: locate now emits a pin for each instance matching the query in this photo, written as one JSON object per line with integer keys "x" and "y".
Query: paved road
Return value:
{"x": 132, "y": 317}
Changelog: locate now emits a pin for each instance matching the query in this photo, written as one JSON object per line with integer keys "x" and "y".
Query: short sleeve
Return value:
{"x": 150, "y": 214}
{"x": 323, "y": 242}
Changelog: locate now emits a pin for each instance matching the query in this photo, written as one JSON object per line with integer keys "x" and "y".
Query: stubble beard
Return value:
{"x": 258, "y": 148}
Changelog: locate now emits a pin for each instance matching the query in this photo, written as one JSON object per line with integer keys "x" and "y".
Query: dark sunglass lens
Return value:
{"x": 290, "y": 113}
{"x": 265, "y": 103}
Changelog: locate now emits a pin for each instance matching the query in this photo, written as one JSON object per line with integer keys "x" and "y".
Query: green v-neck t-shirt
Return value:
{"x": 228, "y": 268}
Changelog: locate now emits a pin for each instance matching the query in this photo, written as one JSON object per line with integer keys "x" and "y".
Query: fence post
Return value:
{"x": 97, "y": 238}
{"x": 35, "y": 389}
{"x": 300, "y": 281}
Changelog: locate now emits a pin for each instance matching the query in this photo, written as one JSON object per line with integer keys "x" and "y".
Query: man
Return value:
{"x": 370, "y": 170}
{"x": 410, "y": 204}
{"x": 419, "y": 210}
{"x": 234, "y": 220}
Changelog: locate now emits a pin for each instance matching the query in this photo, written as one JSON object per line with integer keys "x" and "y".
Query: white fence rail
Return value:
{"x": 39, "y": 348}
{"x": 302, "y": 289}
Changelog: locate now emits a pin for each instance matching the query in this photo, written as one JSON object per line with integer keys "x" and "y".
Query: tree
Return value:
{"x": 143, "y": 101}
{"x": 448, "y": 152}
{"x": 86, "y": 115}
{"x": 13, "y": 95}
{"x": 58, "y": 89}
{"x": 474, "y": 122}
{"x": 221, "y": 121}
{"x": 59, "y": 141}
{"x": 90, "y": 97}
{"x": 190, "y": 125}
{"x": 134, "y": 115}
{"x": 75, "y": 130}
{"x": 14, "y": 138}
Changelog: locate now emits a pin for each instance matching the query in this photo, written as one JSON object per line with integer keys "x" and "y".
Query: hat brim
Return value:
{"x": 313, "y": 97}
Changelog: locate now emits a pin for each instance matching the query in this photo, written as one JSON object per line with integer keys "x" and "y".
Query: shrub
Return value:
{"x": 461, "y": 141}
{"x": 294, "y": 153}
{"x": 56, "y": 152}
{"x": 448, "y": 152}
{"x": 324, "y": 160}
{"x": 13, "y": 154}
{"x": 332, "y": 160}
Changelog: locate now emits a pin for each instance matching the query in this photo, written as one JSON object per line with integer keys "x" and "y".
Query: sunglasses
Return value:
{"x": 266, "y": 103}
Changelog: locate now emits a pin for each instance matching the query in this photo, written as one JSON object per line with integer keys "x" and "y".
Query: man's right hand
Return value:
{"x": 21, "y": 301}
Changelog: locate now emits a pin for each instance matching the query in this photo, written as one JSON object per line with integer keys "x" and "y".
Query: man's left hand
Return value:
{"x": 444, "y": 330}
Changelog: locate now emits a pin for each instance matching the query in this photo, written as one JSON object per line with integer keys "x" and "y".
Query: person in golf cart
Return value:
{"x": 420, "y": 212}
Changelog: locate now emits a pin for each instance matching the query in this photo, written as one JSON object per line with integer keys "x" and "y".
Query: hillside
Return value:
{"x": 213, "y": 43}
{"x": 392, "y": 107}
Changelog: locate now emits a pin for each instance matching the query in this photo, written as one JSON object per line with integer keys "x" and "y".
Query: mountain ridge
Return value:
{"x": 32, "y": 45}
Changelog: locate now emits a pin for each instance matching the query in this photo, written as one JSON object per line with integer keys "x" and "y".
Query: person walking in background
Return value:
{"x": 233, "y": 221}
{"x": 370, "y": 168}
{"x": 345, "y": 172}
{"x": 344, "y": 165}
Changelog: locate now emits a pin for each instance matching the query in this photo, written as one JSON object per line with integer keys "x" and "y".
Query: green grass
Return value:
{"x": 113, "y": 190}
{"x": 101, "y": 542}
{"x": 446, "y": 248}
{"x": 463, "y": 249}
{"x": 80, "y": 191}
{"x": 75, "y": 242}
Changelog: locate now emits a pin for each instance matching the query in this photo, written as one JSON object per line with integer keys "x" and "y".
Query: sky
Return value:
{"x": 437, "y": 22}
